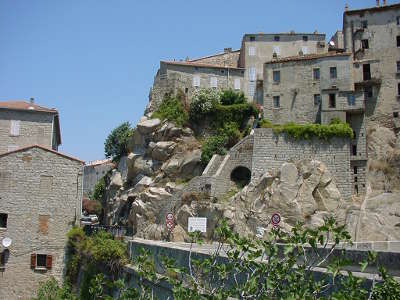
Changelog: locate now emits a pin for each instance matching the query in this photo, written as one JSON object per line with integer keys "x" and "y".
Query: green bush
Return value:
{"x": 202, "y": 103}
{"x": 232, "y": 133}
{"x": 229, "y": 97}
{"x": 99, "y": 190}
{"x": 213, "y": 145}
{"x": 116, "y": 143}
{"x": 50, "y": 290}
{"x": 237, "y": 113}
{"x": 171, "y": 108}
{"x": 309, "y": 131}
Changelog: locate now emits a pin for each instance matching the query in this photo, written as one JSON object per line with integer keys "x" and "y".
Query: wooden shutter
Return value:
{"x": 237, "y": 83}
{"x": 49, "y": 261}
{"x": 33, "y": 260}
{"x": 14, "y": 130}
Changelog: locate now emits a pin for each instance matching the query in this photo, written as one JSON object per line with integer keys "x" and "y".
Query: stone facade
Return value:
{"x": 41, "y": 193}
{"x": 93, "y": 172}
{"x": 24, "y": 127}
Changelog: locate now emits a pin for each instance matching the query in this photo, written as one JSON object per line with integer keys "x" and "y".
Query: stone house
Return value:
{"x": 40, "y": 200}
{"x": 24, "y": 123}
{"x": 93, "y": 172}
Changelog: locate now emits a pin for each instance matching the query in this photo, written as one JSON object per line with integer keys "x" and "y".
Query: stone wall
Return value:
{"x": 34, "y": 128}
{"x": 228, "y": 58}
{"x": 41, "y": 191}
{"x": 93, "y": 173}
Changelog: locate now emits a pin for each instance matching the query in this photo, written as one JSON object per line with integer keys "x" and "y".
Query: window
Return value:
{"x": 366, "y": 71}
{"x": 252, "y": 38}
{"x": 277, "y": 100}
{"x": 276, "y": 76}
{"x": 364, "y": 44}
{"x": 3, "y": 256}
{"x": 317, "y": 99}
{"x": 332, "y": 100}
{"x": 398, "y": 89}
{"x": 186, "y": 91}
{"x": 277, "y": 38}
{"x": 395, "y": 114}
{"x": 368, "y": 92}
{"x": 237, "y": 83}
{"x": 3, "y": 220}
{"x": 354, "y": 149}
{"x": 196, "y": 81}
{"x": 14, "y": 128}
{"x": 41, "y": 261}
{"x": 364, "y": 24}
{"x": 213, "y": 82}
{"x": 252, "y": 88}
{"x": 277, "y": 50}
{"x": 398, "y": 67}
{"x": 355, "y": 170}
{"x": 333, "y": 72}
{"x": 252, "y": 73}
{"x": 222, "y": 71}
{"x": 398, "y": 20}
{"x": 316, "y": 74}
{"x": 351, "y": 100}
{"x": 398, "y": 41}
{"x": 252, "y": 51}
{"x": 305, "y": 38}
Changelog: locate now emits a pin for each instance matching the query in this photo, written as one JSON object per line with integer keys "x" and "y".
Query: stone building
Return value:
{"x": 25, "y": 123}
{"x": 40, "y": 200}
{"x": 93, "y": 172}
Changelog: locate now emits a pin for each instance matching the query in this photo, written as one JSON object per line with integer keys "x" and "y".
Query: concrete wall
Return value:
{"x": 35, "y": 128}
{"x": 41, "y": 192}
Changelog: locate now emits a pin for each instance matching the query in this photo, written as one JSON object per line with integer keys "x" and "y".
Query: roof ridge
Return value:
{"x": 25, "y": 105}
{"x": 213, "y": 55}
{"x": 197, "y": 64}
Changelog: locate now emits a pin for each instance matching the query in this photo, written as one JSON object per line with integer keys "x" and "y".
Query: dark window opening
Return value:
{"x": 317, "y": 99}
{"x": 41, "y": 260}
{"x": 364, "y": 44}
{"x": 355, "y": 170}
{"x": 333, "y": 72}
{"x": 252, "y": 38}
{"x": 4, "y": 257}
{"x": 364, "y": 24}
{"x": 277, "y": 38}
{"x": 355, "y": 179}
{"x": 316, "y": 74}
{"x": 186, "y": 90}
{"x": 241, "y": 176}
{"x": 398, "y": 66}
{"x": 332, "y": 100}
{"x": 398, "y": 89}
{"x": 305, "y": 38}
{"x": 368, "y": 93}
{"x": 354, "y": 149}
{"x": 398, "y": 40}
{"x": 276, "y": 76}
{"x": 351, "y": 100}
{"x": 3, "y": 220}
{"x": 367, "y": 72}
{"x": 395, "y": 114}
{"x": 356, "y": 189}
{"x": 277, "y": 101}
{"x": 398, "y": 20}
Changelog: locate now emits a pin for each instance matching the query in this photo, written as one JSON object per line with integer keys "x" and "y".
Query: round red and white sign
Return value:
{"x": 169, "y": 216}
{"x": 275, "y": 219}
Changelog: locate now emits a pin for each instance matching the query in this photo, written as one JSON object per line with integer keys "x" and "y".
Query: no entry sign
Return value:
{"x": 275, "y": 219}
{"x": 169, "y": 221}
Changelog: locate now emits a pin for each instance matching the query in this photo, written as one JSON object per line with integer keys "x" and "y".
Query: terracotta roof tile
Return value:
{"x": 306, "y": 57}
{"x": 22, "y": 105}
{"x": 194, "y": 64}
{"x": 372, "y": 9}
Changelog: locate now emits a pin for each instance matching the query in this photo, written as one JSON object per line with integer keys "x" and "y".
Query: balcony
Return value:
{"x": 368, "y": 81}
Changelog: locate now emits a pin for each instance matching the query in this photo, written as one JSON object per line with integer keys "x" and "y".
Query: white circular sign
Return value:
{"x": 169, "y": 217}
{"x": 6, "y": 242}
{"x": 275, "y": 219}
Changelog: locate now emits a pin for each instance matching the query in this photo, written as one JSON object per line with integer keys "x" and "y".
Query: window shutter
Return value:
{"x": 277, "y": 50}
{"x": 14, "y": 129}
{"x": 252, "y": 51}
{"x": 237, "y": 83}
{"x": 33, "y": 260}
{"x": 213, "y": 82}
{"x": 252, "y": 73}
{"x": 49, "y": 261}
{"x": 196, "y": 81}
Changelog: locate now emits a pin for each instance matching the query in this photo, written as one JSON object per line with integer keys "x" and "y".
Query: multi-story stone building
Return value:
{"x": 93, "y": 172}
{"x": 25, "y": 123}
{"x": 40, "y": 200}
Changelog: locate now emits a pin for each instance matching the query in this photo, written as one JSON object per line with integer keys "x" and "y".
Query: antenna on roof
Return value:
{"x": 32, "y": 100}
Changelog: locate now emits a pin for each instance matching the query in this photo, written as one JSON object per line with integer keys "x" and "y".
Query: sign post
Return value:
{"x": 169, "y": 222}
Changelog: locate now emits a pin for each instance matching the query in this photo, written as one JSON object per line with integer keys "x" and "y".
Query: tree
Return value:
{"x": 116, "y": 143}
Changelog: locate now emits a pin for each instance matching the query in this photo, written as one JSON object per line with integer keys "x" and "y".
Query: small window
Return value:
{"x": 277, "y": 50}
{"x": 398, "y": 89}
{"x": 354, "y": 149}
{"x": 398, "y": 40}
{"x": 237, "y": 83}
{"x": 14, "y": 127}
{"x": 333, "y": 72}
{"x": 277, "y": 38}
{"x": 252, "y": 73}
{"x": 398, "y": 20}
{"x": 364, "y": 44}
{"x": 213, "y": 82}
{"x": 196, "y": 81}
{"x": 252, "y": 38}
{"x": 355, "y": 170}
{"x": 316, "y": 74}
{"x": 251, "y": 88}
{"x": 252, "y": 51}
{"x": 355, "y": 179}
{"x": 398, "y": 66}
{"x": 276, "y": 76}
{"x": 305, "y": 38}
{"x": 351, "y": 100}
{"x": 317, "y": 99}
{"x": 3, "y": 258}
{"x": 277, "y": 101}
{"x": 332, "y": 100}
{"x": 364, "y": 24}
{"x": 3, "y": 220}
{"x": 395, "y": 114}
{"x": 41, "y": 261}
{"x": 222, "y": 71}
{"x": 186, "y": 91}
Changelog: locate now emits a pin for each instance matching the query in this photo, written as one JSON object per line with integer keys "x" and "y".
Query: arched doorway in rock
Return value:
{"x": 241, "y": 176}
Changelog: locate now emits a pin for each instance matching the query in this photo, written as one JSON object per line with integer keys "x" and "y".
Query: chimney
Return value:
{"x": 383, "y": 2}
{"x": 227, "y": 50}
{"x": 346, "y": 7}
{"x": 377, "y": 3}
{"x": 32, "y": 100}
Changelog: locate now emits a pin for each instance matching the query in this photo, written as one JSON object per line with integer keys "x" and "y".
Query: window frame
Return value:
{"x": 365, "y": 44}
{"x": 252, "y": 51}
{"x": 277, "y": 38}
{"x": 213, "y": 81}
{"x": 316, "y": 71}
{"x": 276, "y": 104}
{"x": 332, "y": 104}
{"x": 276, "y": 76}
{"x": 15, "y": 126}
{"x": 305, "y": 38}
{"x": 5, "y": 216}
{"x": 196, "y": 79}
{"x": 364, "y": 24}
{"x": 317, "y": 99}
{"x": 237, "y": 84}
{"x": 37, "y": 266}
{"x": 398, "y": 41}
{"x": 398, "y": 89}
{"x": 333, "y": 72}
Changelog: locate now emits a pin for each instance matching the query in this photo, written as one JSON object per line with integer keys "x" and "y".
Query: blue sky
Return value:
{"x": 94, "y": 60}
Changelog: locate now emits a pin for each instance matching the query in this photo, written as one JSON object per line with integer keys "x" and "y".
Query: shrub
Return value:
{"x": 232, "y": 133}
{"x": 50, "y": 290}
{"x": 229, "y": 97}
{"x": 172, "y": 109}
{"x": 213, "y": 145}
{"x": 116, "y": 143}
{"x": 237, "y": 113}
{"x": 99, "y": 189}
{"x": 202, "y": 102}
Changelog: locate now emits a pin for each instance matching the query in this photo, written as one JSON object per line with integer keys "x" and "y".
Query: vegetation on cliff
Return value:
{"x": 116, "y": 143}
{"x": 172, "y": 108}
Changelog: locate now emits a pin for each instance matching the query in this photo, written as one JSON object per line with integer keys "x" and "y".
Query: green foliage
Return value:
{"x": 202, "y": 103}
{"x": 388, "y": 289}
{"x": 50, "y": 290}
{"x": 237, "y": 113}
{"x": 229, "y": 97}
{"x": 99, "y": 189}
{"x": 213, "y": 145}
{"x": 116, "y": 143}
{"x": 232, "y": 133}
{"x": 308, "y": 131}
{"x": 172, "y": 109}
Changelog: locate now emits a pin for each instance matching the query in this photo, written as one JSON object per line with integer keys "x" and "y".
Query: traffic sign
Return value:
{"x": 275, "y": 219}
{"x": 169, "y": 216}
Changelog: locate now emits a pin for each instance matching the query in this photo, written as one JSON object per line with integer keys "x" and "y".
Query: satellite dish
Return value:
{"x": 6, "y": 242}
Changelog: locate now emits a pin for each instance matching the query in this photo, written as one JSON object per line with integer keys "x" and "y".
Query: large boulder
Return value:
{"x": 148, "y": 126}
{"x": 162, "y": 150}
{"x": 116, "y": 180}
{"x": 191, "y": 165}
{"x": 171, "y": 167}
